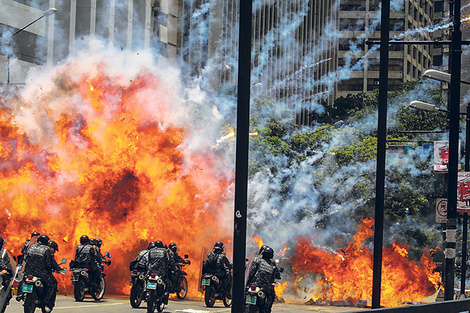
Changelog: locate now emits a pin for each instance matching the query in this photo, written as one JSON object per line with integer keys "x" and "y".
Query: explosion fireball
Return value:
{"x": 106, "y": 145}
{"x": 103, "y": 149}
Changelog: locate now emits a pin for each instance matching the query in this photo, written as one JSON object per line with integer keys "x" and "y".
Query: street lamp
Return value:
{"x": 431, "y": 107}
{"x": 420, "y": 105}
{"x": 47, "y": 13}
{"x": 440, "y": 76}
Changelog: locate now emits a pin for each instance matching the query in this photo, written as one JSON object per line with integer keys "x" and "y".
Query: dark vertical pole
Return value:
{"x": 241, "y": 163}
{"x": 454, "y": 114}
{"x": 381, "y": 151}
{"x": 465, "y": 215}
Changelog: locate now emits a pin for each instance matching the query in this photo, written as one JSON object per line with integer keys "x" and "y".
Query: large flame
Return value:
{"x": 90, "y": 150}
{"x": 346, "y": 274}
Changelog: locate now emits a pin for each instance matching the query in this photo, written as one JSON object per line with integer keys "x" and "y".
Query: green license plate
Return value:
{"x": 152, "y": 286}
{"x": 250, "y": 299}
{"x": 27, "y": 288}
{"x": 206, "y": 282}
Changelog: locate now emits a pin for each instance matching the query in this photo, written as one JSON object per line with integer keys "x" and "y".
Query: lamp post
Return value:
{"x": 47, "y": 13}
{"x": 431, "y": 107}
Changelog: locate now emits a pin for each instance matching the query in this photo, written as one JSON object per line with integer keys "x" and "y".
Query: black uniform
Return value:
{"x": 263, "y": 274}
{"x": 218, "y": 264}
{"x": 140, "y": 261}
{"x": 158, "y": 262}
{"x": 85, "y": 257}
{"x": 40, "y": 262}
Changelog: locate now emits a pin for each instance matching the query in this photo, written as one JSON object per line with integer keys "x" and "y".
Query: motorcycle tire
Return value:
{"x": 183, "y": 289}
{"x": 4, "y": 308}
{"x": 151, "y": 302}
{"x": 160, "y": 306}
{"x": 251, "y": 309}
{"x": 136, "y": 296}
{"x": 227, "y": 299}
{"x": 98, "y": 294}
{"x": 79, "y": 291}
{"x": 29, "y": 306}
{"x": 209, "y": 297}
{"x": 227, "y": 302}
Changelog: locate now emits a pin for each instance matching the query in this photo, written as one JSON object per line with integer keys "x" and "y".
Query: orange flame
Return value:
{"x": 347, "y": 274}
{"x": 279, "y": 289}
{"x": 283, "y": 250}
{"x": 111, "y": 166}
{"x": 258, "y": 241}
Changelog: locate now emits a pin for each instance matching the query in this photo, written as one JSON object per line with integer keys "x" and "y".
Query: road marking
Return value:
{"x": 87, "y": 306}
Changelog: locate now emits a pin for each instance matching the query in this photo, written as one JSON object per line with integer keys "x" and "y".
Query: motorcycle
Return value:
{"x": 6, "y": 280}
{"x": 83, "y": 285}
{"x": 180, "y": 283}
{"x": 213, "y": 290}
{"x": 256, "y": 299}
{"x": 156, "y": 293}
{"x": 35, "y": 293}
{"x": 138, "y": 289}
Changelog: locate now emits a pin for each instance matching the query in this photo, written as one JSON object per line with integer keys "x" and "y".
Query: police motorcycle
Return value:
{"x": 157, "y": 296}
{"x": 256, "y": 299}
{"x": 213, "y": 290}
{"x": 139, "y": 288}
{"x": 82, "y": 284}
{"x": 6, "y": 280}
{"x": 180, "y": 283}
{"x": 34, "y": 292}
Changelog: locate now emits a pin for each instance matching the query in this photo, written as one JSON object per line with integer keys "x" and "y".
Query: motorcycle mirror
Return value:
{"x": 186, "y": 256}
{"x": 64, "y": 260}
{"x": 107, "y": 254}
{"x": 281, "y": 270}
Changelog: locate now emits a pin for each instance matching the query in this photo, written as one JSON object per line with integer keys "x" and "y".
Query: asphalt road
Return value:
{"x": 120, "y": 304}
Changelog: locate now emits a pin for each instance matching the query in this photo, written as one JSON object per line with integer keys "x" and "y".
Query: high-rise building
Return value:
{"x": 291, "y": 53}
{"x": 123, "y": 24}
{"x": 359, "y": 21}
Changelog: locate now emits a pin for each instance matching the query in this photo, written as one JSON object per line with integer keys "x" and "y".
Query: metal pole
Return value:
{"x": 241, "y": 163}
{"x": 454, "y": 108}
{"x": 381, "y": 151}
{"x": 465, "y": 215}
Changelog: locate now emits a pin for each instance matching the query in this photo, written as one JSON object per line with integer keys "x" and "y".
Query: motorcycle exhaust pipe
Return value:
{"x": 141, "y": 277}
{"x": 38, "y": 283}
{"x": 260, "y": 294}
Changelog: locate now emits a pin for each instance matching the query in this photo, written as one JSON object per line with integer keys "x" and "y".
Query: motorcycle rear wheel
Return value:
{"x": 181, "y": 294}
{"x": 29, "y": 305}
{"x": 209, "y": 297}
{"x": 151, "y": 302}
{"x": 136, "y": 296}
{"x": 251, "y": 308}
{"x": 160, "y": 306}
{"x": 98, "y": 294}
{"x": 79, "y": 291}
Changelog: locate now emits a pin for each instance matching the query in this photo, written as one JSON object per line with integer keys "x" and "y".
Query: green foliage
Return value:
{"x": 280, "y": 144}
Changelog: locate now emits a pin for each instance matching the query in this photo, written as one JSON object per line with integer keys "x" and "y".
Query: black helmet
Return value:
{"x": 159, "y": 244}
{"x": 99, "y": 242}
{"x": 219, "y": 245}
{"x": 43, "y": 239}
{"x": 93, "y": 242}
{"x": 35, "y": 234}
{"x": 262, "y": 249}
{"x": 2, "y": 242}
{"x": 173, "y": 247}
{"x": 165, "y": 246}
{"x": 151, "y": 245}
{"x": 84, "y": 240}
{"x": 54, "y": 245}
{"x": 268, "y": 253}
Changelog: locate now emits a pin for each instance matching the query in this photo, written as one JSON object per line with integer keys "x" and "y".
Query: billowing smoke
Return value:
{"x": 69, "y": 108}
